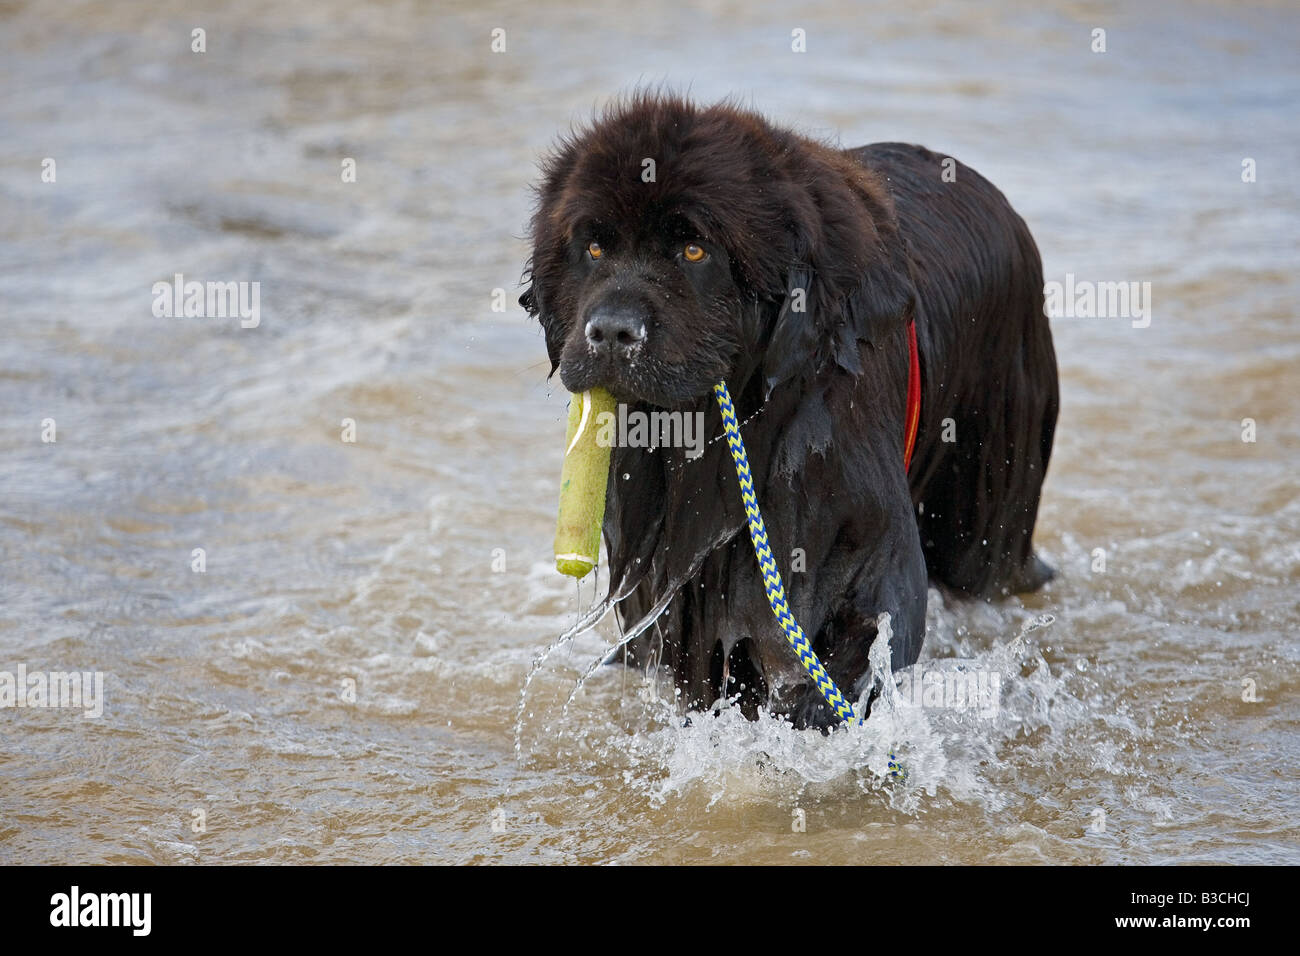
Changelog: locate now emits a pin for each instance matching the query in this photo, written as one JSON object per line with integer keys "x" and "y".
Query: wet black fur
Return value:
{"x": 875, "y": 237}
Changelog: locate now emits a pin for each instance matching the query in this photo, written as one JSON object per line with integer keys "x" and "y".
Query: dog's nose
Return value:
{"x": 615, "y": 327}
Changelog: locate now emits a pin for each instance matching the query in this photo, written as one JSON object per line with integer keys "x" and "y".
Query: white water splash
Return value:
{"x": 948, "y": 754}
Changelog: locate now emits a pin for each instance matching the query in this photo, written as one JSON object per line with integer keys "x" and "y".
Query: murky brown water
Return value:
{"x": 372, "y": 562}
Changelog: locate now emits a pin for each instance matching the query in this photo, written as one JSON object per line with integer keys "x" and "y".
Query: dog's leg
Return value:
{"x": 844, "y": 644}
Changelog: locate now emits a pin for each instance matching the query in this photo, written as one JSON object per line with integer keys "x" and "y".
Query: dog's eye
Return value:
{"x": 694, "y": 253}
{"x": 594, "y": 250}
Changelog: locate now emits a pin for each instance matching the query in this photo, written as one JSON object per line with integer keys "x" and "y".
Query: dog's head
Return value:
{"x": 675, "y": 246}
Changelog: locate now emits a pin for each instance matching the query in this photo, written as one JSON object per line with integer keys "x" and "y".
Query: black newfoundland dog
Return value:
{"x": 677, "y": 245}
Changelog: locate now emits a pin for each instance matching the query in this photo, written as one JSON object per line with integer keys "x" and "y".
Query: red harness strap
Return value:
{"x": 913, "y": 396}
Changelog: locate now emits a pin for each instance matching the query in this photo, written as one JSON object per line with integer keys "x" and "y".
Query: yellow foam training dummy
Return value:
{"x": 582, "y": 485}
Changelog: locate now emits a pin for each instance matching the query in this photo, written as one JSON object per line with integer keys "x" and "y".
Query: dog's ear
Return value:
{"x": 792, "y": 346}
{"x": 531, "y": 300}
{"x": 818, "y": 322}
{"x": 883, "y": 301}
{"x": 548, "y": 296}
{"x": 852, "y": 281}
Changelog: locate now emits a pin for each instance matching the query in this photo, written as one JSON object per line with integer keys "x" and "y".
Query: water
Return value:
{"x": 337, "y": 570}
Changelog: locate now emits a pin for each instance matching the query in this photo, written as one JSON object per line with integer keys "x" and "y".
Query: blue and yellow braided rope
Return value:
{"x": 772, "y": 576}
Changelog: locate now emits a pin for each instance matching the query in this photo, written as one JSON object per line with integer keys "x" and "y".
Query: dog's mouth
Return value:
{"x": 635, "y": 377}
{"x": 642, "y": 355}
